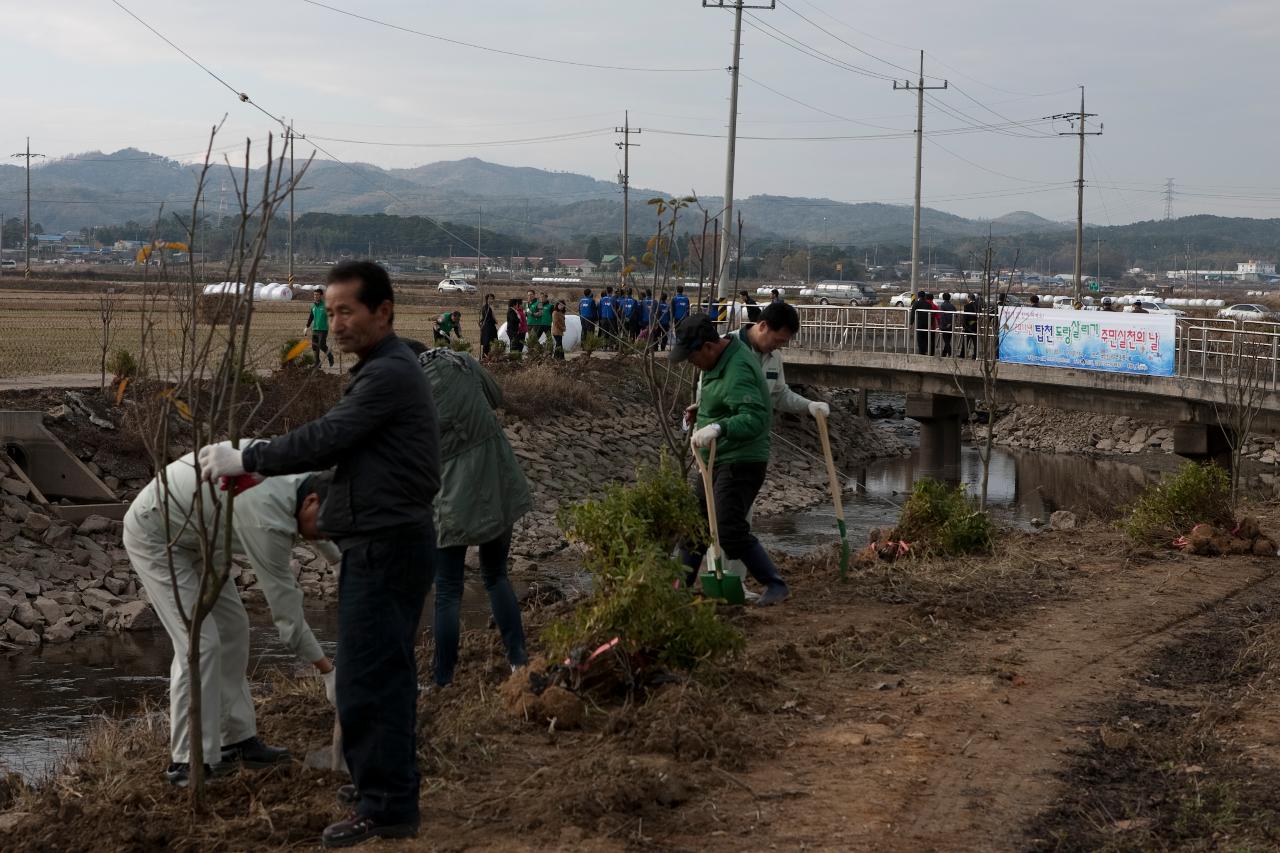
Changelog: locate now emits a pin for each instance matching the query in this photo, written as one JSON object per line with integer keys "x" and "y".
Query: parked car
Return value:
{"x": 8, "y": 265}
{"x": 455, "y": 285}
{"x": 1154, "y": 306}
{"x": 1247, "y": 311}
{"x": 902, "y": 300}
{"x": 852, "y": 292}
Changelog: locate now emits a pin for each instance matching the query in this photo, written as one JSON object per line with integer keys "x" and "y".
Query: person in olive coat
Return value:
{"x": 483, "y": 492}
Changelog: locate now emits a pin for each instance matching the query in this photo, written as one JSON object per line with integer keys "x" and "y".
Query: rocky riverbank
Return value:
{"x": 58, "y": 580}
{"x": 1059, "y": 431}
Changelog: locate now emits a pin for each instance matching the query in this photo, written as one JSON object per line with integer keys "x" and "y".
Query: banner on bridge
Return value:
{"x": 1114, "y": 342}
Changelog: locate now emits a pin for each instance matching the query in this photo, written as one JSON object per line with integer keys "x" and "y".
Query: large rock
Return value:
{"x": 8, "y": 530}
{"x": 7, "y": 606}
{"x": 99, "y": 599}
{"x": 94, "y": 524}
{"x": 14, "y": 487}
{"x": 1063, "y": 519}
{"x": 37, "y": 522}
{"x": 26, "y": 615}
{"x": 62, "y": 631}
{"x": 59, "y": 536}
{"x": 134, "y": 616}
{"x": 19, "y": 634}
{"x": 115, "y": 586}
{"x": 48, "y": 608}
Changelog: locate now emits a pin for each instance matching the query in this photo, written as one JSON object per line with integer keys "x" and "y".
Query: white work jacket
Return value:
{"x": 264, "y": 528}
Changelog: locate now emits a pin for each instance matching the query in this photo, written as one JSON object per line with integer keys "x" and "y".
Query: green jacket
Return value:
{"x": 735, "y": 395}
{"x": 482, "y": 489}
{"x": 534, "y": 312}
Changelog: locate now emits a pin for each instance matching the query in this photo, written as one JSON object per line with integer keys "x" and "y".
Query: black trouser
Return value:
{"x": 924, "y": 342}
{"x": 946, "y": 341}
{"x": 970, "y": 342}
{"x": 487, "y": 336}
{"x": 320, "y": 344}
{"x": 450, "y": 568}
{"x": 735, "y": 485}
{"x": 381, "y": 593}
{"x": 559, "y": 350}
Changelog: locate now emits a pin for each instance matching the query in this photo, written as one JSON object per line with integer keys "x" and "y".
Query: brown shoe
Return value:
{"x": 358, "y": 829}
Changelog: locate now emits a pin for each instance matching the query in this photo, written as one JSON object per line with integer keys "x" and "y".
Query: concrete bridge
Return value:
{"x": 1221, "y": 367}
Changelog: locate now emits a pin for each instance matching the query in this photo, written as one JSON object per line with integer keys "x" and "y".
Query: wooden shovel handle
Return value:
{"x": 708, "y": 492}
{"x": 832, "y": 477}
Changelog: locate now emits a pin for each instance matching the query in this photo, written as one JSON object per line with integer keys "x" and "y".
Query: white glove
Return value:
{"x": 709, "y": 433}
{"x": 331, "y": 686}
{"x": 220, "y": 460}
{"x": 817, "y": 407}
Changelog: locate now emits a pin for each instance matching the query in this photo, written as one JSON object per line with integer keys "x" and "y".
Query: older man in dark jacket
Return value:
{"x": 382, "y": 436}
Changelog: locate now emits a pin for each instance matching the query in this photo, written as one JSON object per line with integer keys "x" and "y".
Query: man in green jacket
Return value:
{"x": 318, "y": 326}
{"x": 735, "y": 412}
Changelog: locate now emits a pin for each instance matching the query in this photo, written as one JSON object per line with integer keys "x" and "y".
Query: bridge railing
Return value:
{"x": 1205, "y": 348}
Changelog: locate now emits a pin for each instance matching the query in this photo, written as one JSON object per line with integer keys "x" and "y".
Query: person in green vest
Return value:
{"x": 318, "y": 326}
{"x": 735, "y": 412}
{"x": 450, "y": 322}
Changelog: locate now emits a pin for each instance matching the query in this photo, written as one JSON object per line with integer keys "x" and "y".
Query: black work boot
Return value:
{"x": 358, "y": 829}
{"x": 348, "y": 795}
{"x": 254, "y": 754}
{"x": 765, "y": 573}
{"x": 178, "y": 773}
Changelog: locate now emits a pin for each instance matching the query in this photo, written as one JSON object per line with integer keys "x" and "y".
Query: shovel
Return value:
{"x": 715, "y": 583}
{"x": 835, "y": 493}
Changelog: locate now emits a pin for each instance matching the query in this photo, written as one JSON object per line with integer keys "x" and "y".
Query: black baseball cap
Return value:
{"x": 693, "y": 331}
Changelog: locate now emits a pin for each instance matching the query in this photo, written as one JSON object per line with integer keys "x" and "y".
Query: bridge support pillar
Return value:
{"x": 861, "y": 409}
{"x": 1201, "y": 442}
{"x": 940, "y": 417}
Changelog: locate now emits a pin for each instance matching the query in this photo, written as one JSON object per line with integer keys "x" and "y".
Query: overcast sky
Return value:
{"x": 1181, "y": 86}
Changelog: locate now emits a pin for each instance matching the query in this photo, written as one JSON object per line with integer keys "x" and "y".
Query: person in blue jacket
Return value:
{"x": 630, "y": 319}
{"x": 648, "y": 317}
{"x": 679, "y": 305}
{"x": 608, "y": 318}
{"x": 662, "y": 329}
{"x": 587, "y": 312}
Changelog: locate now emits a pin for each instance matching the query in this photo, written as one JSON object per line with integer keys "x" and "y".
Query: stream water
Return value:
{"x": 50, "y": 695}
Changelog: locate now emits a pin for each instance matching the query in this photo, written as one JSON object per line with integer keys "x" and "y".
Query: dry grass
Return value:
{"x": 545, "y": 390}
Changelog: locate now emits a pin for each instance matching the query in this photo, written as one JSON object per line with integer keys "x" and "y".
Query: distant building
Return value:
{"x": 576, "y": 264}
{"x": 1255, "y": 268}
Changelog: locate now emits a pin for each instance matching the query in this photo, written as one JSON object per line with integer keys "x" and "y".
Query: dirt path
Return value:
{"x": 920, "y": 707}
{"x": 960, "y": 756}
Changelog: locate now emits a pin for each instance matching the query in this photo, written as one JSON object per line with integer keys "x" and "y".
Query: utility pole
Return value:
{"x": 722, "y": 263}
{"x": 26, "y": 222}
{"x": 479, "y": 267}
{"x": 1079, "y": 131}
{"x": 290, "y": 136}
{"x": 920, "y": 88}
{"x": 624, "y": 178}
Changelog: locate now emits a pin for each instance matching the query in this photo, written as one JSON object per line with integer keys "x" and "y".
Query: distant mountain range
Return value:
{"x": 564, "y": 209}
{"x": 97, "y": 189}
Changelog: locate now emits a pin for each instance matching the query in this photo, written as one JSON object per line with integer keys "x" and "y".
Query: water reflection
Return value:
{"x": 52, "y": 693}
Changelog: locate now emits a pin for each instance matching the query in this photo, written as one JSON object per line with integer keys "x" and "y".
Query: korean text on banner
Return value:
{"x": 1089, "y": 340}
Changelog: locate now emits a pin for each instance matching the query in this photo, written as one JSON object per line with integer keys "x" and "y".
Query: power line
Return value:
{"x": 842, "y": 41}
{"x": 244, "y": 98}
{"x": 808, "y": 50}
{"x": 818, "y": 109}
{"x": 500, "y": 51}
{"x": 492, "y": 143}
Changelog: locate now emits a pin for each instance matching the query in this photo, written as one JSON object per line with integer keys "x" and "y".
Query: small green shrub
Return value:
{"x": 306, "y": 360}
{"x": 1170, "y": 508}
{"x": 122, "y": 364}
{"x": 590, "y": 343}
{"x": 630, "y": 533}
{"x": 459, "y": 345}
{"x": 941, "y": 519}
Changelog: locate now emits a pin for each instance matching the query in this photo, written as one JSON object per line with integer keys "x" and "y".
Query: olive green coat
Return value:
{"x": 483, "y": 491}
